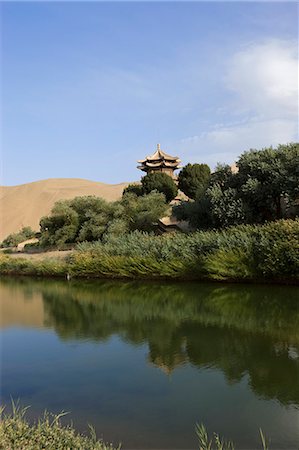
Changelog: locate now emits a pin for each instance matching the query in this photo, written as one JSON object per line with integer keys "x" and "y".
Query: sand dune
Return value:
{"x": 25, "y": 204}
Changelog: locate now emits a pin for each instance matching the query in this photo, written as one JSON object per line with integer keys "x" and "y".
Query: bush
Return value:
{"x": 276, "y": 248}
{"x": 241, "y": 252}
{"x": 244, "y": 252}
{"x": 12, "y": 240}
{"x": 92, "y": 218}
{"x": 32, "y": 247}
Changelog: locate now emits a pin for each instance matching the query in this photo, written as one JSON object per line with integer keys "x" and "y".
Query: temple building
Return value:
{"x": 160, "y": 162}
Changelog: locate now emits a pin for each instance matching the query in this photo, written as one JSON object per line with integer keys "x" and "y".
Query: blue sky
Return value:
{"x": 90, "y": 87}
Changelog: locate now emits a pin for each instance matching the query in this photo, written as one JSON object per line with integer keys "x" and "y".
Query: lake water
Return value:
{"x": 145, "y": 362}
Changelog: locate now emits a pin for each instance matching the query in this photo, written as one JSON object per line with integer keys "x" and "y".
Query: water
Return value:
{"x": 143, "y": 362}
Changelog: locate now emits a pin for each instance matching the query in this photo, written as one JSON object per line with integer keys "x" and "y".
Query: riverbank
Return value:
{"x": 267, "y": 253}
{"x": 47, "y": 433}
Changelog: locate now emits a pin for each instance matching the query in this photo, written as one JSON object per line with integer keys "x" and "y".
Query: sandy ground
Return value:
{"x": 24, "y": 205}
{"x": 40, "y": 256}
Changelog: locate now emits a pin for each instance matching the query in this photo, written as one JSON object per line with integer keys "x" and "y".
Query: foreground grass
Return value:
{"x": 215, "y": 442}
{"x": 47, "y": 433}
{"x": 242, "y": 253}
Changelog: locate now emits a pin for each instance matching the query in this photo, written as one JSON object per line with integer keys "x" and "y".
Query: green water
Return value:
{"x": 144, "y": 362}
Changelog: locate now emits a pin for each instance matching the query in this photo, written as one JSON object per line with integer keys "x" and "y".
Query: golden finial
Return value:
{"x": 158, "y": 147}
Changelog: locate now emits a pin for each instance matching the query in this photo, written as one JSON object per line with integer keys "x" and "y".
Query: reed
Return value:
{"x": 246, "y": 252}
{"x": 46, "y": 433}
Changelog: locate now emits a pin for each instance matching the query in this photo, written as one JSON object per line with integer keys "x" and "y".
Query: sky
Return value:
{"x": 88, "y": 88}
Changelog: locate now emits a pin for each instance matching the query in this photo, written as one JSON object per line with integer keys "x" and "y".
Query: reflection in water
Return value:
{"x": 248, "y": 333}
{"x": 238, "y": 329}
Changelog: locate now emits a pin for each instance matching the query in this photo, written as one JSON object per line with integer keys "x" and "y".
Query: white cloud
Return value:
{"x": 263, "y": 79}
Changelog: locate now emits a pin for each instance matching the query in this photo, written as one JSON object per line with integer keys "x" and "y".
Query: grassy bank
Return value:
{"x": 243, "y": 253}
{"x": 46, "y": 433}
{"x": 49, "y": 434}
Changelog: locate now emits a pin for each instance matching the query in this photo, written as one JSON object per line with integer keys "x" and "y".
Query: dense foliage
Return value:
{"x": 154, "y": 181}
{"x": 161, "y": 182}
{"x": 12, "y": 240}
{"x": 193, "y": 179}
{"x": 244, "y": 252}
{"x": 136, "y": 189}
{"x": 264, "y": 188}
{"x": 91, "y": 218}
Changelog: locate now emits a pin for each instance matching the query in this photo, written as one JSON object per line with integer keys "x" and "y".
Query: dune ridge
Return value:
{"x": 25, "y": 204}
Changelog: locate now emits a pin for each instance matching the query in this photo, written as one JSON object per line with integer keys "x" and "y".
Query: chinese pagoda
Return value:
{"x": 160, "y": 162}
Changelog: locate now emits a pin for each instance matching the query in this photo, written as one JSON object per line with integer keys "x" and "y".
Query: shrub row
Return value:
{"x": 245, "y": 252}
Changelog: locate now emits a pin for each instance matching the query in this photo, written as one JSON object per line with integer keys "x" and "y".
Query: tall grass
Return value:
{"x": 215, "y": 442}
{"x": 245, "y": 252}
{"x": 46, "y": 433}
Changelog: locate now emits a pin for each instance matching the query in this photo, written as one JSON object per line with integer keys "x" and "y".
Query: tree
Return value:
{"x": 223, "y": 176}
{"x": 266, "y": 178}
{"x": 194, "y": 180}
{"x": 94, "y": 215}
{"x": 142, "y": 213}
{"x": 197, "y": 213}
{"x": 226, "y": 208}
{"x": 160, "y": 182}
{"x": 61, "y": 226}
{"x": 266, "y": 184}
{"x": 80, "y": 219}
{"x": 136, "y": 189}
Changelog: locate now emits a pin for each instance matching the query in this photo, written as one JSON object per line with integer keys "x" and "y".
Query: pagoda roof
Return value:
{"x": 158, "y": 157}
{"x": 161, "y": 163}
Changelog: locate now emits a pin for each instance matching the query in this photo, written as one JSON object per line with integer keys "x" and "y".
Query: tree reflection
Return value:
{"x": 244, "y": 331}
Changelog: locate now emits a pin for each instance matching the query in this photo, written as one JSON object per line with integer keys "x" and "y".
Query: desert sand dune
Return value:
{"x": 25, "y": 204}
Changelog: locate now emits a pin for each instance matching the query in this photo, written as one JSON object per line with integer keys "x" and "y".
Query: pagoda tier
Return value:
{"x": 160, "y": 162}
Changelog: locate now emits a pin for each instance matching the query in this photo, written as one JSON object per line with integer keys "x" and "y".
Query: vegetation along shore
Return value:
{"x": 235, "y": 225}
{"x": 50, "y": 434}
{"x": 241, "y": 253}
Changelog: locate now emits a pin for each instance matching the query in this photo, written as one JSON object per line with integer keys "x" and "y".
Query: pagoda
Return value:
{"x": 160, "y": 162}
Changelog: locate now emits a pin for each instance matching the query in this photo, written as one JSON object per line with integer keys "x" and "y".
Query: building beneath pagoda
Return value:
{"x": 160, "y": 162}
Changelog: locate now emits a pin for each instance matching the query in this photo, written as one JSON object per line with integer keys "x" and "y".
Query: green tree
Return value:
{"x": 80, "y": 219}
{"x": 226, "y": 208}
{"x": 194, "y": 180}
{"x": 142, "y": 213}
{"x": 136, "y": 189}
{"x": 223, "y": 176}
{"x": 61, "y": 226}
{"x": 94, "y": 215}
{"x": 264, "y": 188}
{"x": 268, "y": 178}
{"x": 197, "y": 213}
{"x": 160, "y": 182}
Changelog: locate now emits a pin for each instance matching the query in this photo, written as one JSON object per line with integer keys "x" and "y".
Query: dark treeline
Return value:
{"x": 263, "y": 187}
